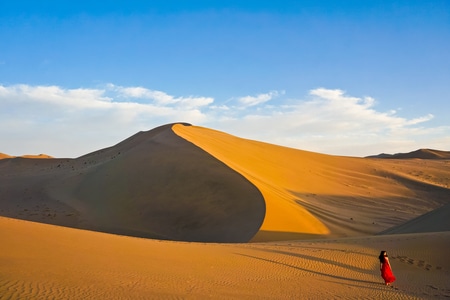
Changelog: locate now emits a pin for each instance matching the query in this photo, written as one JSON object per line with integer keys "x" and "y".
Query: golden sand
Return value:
{"x": 41, "y": 261}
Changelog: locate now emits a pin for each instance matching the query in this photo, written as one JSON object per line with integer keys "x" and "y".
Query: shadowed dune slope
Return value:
{"x": 434, "y": 221}
{"x": 310, "y": 195}
{"x": 154, "y": 184}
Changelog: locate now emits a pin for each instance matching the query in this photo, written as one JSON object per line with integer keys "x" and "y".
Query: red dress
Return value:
{"x": 386, "y": 272}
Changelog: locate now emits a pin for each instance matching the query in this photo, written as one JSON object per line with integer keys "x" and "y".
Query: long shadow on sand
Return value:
{"x": 312, "y": 271}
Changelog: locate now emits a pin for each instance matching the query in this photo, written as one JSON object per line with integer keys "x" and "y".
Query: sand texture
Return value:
{"x": 186, "y": 212}
{"x": 40, "y": 261}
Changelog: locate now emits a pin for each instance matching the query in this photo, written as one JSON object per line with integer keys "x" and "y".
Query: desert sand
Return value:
{"x": 185, "y": 212}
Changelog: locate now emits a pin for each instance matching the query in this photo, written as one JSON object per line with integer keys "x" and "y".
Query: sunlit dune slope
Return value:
{"x": 154, "y": 184}
{"x": 315, "y": 195}
{"x": 40, "y": 261}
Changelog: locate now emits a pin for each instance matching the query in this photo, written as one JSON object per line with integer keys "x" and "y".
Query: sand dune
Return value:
{"x": 434, "y": 221}
{"x": 3, "y": 155}
{"x": 310, "y": 195}
{"x": 317, "y": 222}
{"x": 190, "y": 183}
{"x": 154, "y": 184}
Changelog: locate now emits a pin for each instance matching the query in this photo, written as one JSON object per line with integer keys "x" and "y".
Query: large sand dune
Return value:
{"x": 154, "y": 184}
{"x": 317, "y": 222}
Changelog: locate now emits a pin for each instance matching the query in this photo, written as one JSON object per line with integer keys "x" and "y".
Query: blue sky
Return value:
{"x": 339, "y": 77}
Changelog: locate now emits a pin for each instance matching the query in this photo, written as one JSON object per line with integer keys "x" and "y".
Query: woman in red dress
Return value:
{"x": 385, "y": 268}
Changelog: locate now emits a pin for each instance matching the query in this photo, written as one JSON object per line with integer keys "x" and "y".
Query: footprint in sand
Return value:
{"x": 421, "y": 263}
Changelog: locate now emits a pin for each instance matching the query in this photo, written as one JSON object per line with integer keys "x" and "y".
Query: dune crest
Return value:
{"x": 269, "y": 167}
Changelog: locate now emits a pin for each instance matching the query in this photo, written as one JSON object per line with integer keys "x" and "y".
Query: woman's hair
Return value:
{"x": 382, "y": 254}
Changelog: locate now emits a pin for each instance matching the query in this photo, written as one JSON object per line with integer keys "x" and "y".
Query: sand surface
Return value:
{"x": 316, "y": 223}
{"x": 41, "y": 261}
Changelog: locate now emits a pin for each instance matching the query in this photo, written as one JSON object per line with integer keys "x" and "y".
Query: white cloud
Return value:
{"x": 160, "y": 98}
{"x": 72, "y": 122}
{"x": 259, "y": 99}
{"x": 54, "y": 95}
{"x": 332, "y": 122}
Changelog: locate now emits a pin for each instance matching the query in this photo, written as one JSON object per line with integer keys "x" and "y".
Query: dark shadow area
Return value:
{"x": 361, "y": 216}
{"x": 437, "y": 220}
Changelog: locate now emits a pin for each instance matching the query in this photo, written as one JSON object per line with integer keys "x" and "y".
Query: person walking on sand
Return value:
{"x": 385, "y": 268}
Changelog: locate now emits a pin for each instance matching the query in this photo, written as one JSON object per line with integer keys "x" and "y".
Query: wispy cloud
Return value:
{"x": 160, "y": 98}
{"x": 73, "y": 122}
{"x": 258, "y": 99}
{"x": 331, "y": 121}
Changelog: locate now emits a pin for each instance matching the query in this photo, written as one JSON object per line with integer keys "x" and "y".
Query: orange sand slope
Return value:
{"x": 39, "y": 261}
{"x": 181, "y": 182}
{"x": 315, "y": 195}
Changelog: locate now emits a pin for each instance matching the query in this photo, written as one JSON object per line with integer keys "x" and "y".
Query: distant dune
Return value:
{"x": 316, "y": 222}
{"x": 421, "y": 153}
{"x": 3, "y": 155}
